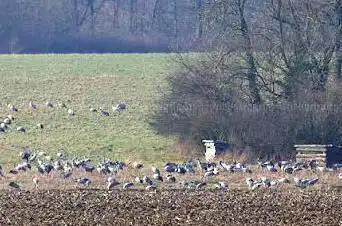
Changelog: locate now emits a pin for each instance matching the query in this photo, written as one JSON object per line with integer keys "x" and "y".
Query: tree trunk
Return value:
{"x": 338, "y": 49}
{"x": 116, "y": 22}
{"x": 199, "y": 12}
{"x": 133, "y": 16}
{"x": 175, "y": 19}
{"x": 76, "y": 15}
{"x": 252, "y": 71}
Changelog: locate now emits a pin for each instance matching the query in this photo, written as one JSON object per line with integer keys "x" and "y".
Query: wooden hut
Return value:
{"x": 325, "y": 155}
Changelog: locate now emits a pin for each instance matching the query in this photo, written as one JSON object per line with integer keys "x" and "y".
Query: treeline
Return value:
{"x": 270, "y": 78}
{"x": 40, "y": 26}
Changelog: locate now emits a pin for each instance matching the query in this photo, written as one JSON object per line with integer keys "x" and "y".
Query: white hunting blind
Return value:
{"x": 213, "y": 148}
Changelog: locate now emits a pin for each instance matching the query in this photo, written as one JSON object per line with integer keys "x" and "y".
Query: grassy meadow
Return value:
{"x": 84, "y": 81}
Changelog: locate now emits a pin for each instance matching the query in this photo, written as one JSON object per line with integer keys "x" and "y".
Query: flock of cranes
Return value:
{"x": 7, "y": 121}
{"x": 172, "y": 175}
{"x": 192, "y": 174}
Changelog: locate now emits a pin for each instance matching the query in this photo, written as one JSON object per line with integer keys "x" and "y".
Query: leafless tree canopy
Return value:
{"x": 99, "y": 25}
{"x": 269, "y": 78}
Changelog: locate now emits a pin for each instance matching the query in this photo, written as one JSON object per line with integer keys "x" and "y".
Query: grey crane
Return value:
{"x": 14, "y": 185}
{"x": 128, "y": 185}
{"x": 49, "y": 104}
{"x": 104, "y": 113}
{"x": 112, "y": 182}
{"x": 32, "y": 105}
{"x": 21, "y": 129}
{"x": 147, "y": 180}
{"x": 12, "y": 108}
{"x": 170, "y": 179}
{"x": 83, "y": 180}
{"x": 151, "y": 188}
{"x": 221, "y": 185}
{"x": 121, "y": 107}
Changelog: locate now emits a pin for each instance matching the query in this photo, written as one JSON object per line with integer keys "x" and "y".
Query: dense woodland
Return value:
{"x": 99, "y": 25}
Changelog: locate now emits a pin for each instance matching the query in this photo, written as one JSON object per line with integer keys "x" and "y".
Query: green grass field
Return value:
{"x": 81, "y": 82}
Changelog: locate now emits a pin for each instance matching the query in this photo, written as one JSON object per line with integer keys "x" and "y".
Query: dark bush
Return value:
{"x": 205, "y": 104}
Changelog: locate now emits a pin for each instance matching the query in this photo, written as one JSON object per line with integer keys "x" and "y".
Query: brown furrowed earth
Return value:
{"x": 172, "y": 207}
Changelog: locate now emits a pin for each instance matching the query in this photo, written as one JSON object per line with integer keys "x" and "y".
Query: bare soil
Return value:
{"x": 171, "y": 207}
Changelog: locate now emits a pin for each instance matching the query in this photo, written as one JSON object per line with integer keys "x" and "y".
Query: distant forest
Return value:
{"x": 64, "y": 26}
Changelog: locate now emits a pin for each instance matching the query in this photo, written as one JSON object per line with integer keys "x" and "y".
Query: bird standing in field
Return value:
{"x": 12, "y": 108}
{"x": 221, "y": 185}
{"x": 35, "y": 181}
{"x": 62, "y": 105}
{"x": 49, "y": 104}
{"x": 71, "y": 113}
{"x": 92, "y": 110}
{"x": 14, "y": 185}
{"x": 21, "y": 129}
{"x": 84, "y": 181}
{"x": 7, "y": 121}
{"x": 128, "y": 185}
{"x": 112, "y": 182}
{"x": 32, "y": 105}
{"x": 119, "y": 107}
{"x": 151, "y": 188}
{"x": 103, "y": 112}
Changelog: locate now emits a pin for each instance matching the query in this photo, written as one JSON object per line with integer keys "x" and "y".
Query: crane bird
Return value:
{"x": 170, "y": 179}
{"x": 103, "y": 112}
{"x": 10, "y": 117}
{"x": 284, "y": 180}
{"x": 229, "y": 168}
{"x": 32, "y": 105}
{"x": 221, "y": 185}
{"x": 119, "y": 107}
{"x": 127, "y": 185}
{"x": 1, "y": 173}
{"x": 92, "y": 110}
{"x": 71, "y": 112}
{"x": 49, "y": 104}
{"x": 84, "y": 181}
{"x": 112, "y": 182}
{"x": 250, "y": 182}
{"x": 40, "y": 126}
{"x": 14, "y": 185}
{"x": 35, "y": 181}
{"x": 151, "y": 188}
{"x": 155, "y": 170}
{"x": 137, "y": 165}
{"x": 138, "y": 180}
{"x": 3, "y": 125}
{"x": 12, "y": 108}
{"x": 21, "y": 129}
{"x": 7, "y": 121}
{"x": 157, "y": 176}
{"x": 147, "y": 180}
{"x": 340, "y": 176}
{"x": 201, "y": 185}
{"x": 62, "y": 105}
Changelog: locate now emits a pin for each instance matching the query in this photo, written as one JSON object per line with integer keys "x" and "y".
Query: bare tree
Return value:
{"x": 338, "y": 50}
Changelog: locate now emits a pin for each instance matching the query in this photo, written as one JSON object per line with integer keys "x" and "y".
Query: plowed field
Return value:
{"x": 173, "y": 207}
